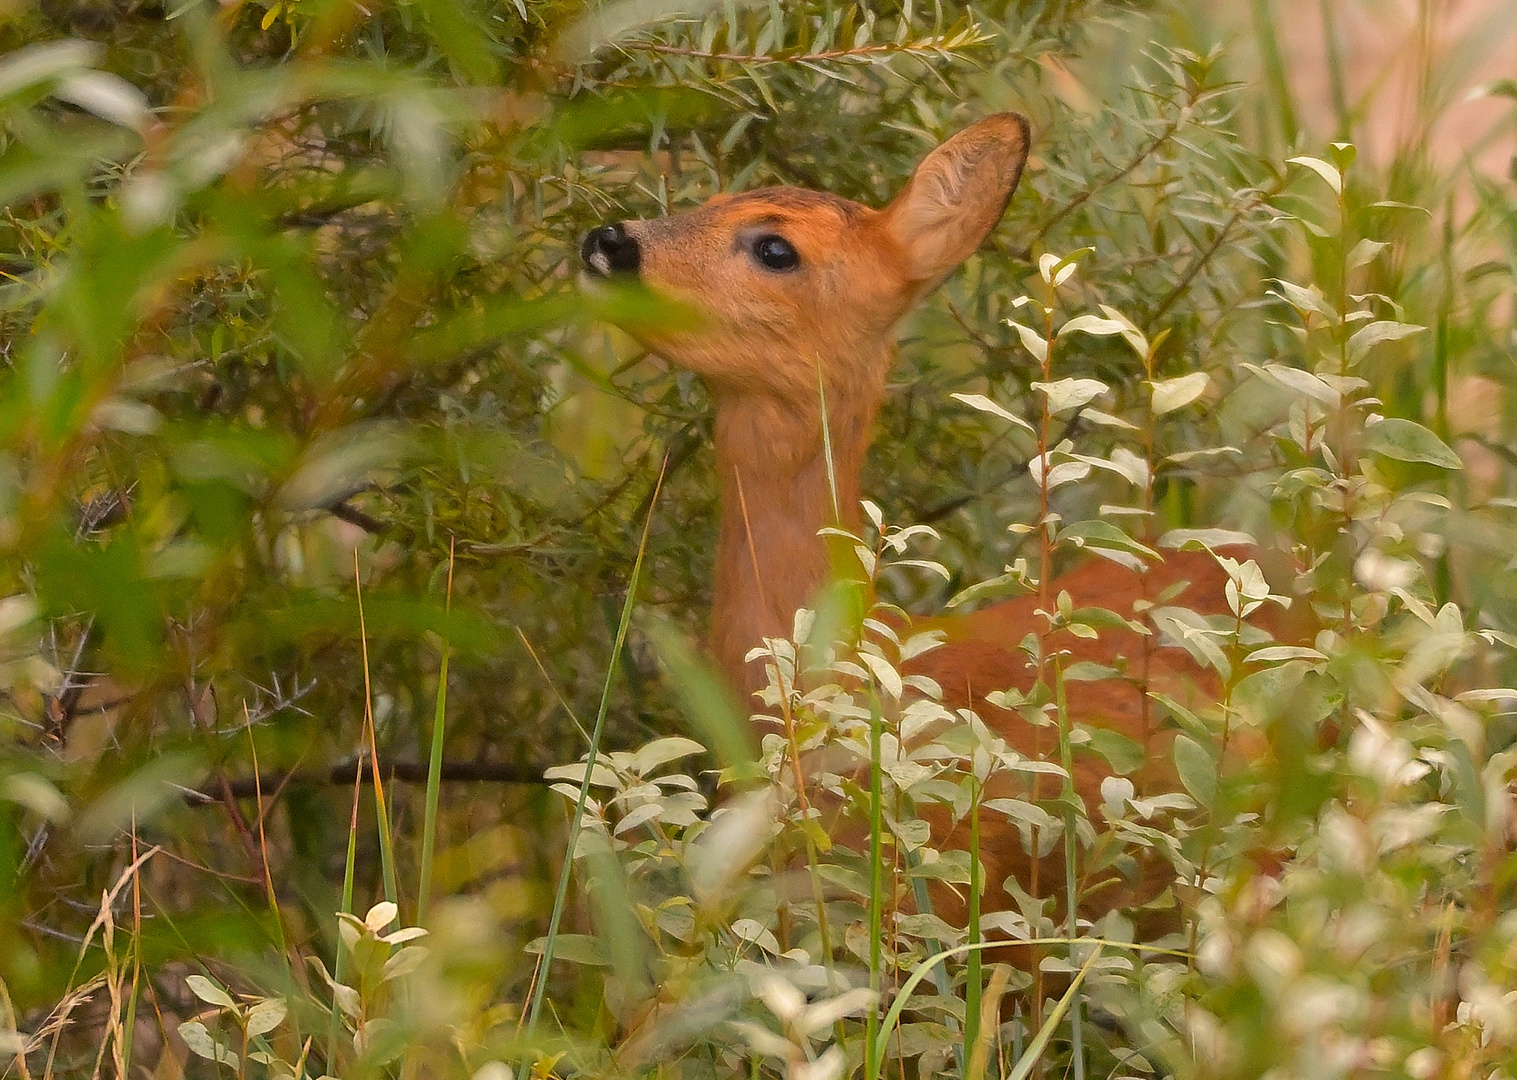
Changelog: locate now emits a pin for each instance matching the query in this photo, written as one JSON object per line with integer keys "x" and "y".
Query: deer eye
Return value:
{"x": 776, "y": 253}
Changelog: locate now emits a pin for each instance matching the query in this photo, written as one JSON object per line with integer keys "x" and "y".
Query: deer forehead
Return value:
{"x": 826, "y": 230}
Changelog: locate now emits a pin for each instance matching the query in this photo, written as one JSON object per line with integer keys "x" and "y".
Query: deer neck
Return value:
{"x": 776, "y": 493}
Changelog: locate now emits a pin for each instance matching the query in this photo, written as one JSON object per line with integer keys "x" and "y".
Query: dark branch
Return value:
{"x": 354, "y": 516}
{"x": 410, "y": 772}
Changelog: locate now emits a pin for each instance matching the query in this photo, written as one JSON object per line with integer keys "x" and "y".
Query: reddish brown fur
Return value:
{"x": 766, "y": 339}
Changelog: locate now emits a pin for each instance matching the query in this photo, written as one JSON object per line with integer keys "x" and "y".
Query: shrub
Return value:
{"x": 289, "y": 323}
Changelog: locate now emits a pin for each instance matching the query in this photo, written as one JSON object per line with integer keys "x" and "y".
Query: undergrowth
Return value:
{"x": 351, "y": 721}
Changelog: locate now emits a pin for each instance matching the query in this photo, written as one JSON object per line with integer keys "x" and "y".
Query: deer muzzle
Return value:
{"x": 610, "y": 250}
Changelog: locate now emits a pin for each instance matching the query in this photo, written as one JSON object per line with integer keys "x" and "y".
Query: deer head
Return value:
{"x": 796, "y": 295}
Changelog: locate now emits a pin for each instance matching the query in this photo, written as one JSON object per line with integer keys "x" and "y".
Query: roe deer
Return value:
{"x": 787, "y": 283}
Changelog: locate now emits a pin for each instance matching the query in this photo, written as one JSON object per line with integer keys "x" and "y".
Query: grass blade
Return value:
{"x": 1039, "y": 1042}
{"x": 434, "y": 765}
{"x": 381, "y": 804}
{"x": 876, "y": 881}
{"x": 539, "y": 990}
{"x": 972, "y": 973}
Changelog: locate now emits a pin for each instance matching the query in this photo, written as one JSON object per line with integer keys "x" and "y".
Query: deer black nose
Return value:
{"x": 609, "y": 250}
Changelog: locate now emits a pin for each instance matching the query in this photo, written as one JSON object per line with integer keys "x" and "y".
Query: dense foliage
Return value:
{"x": 307, "y": 438}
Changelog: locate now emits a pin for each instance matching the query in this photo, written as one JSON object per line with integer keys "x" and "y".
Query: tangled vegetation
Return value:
{"x": 337, "y": 526}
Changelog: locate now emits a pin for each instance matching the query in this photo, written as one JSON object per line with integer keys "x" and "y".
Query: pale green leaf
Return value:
{"x": 403, "y": 963}
{"x": 1305, "y": 299}
{"x": 1329, "y": 173}
{"x": 1209, "y": 538}
{"x": 1129, "y": 331}
{"x": 1091, "y": 324}
{"x": 1172, "y": 394}
{"x": 380, "y": 916}
{"x": 662, "y": 751}
{"x": 576, "y": 949}
{"x": 1406, "y": 440}
{"x": 1066, "y": 394}
{"x": 1298, "y": 381}
{"x": 985, "y": 405}
{"x": 1364, "y": 252}
{"x": 209, "y": 992}
{"x": 1276, "y": 653}
{"x": 1372, "y": 334}
{"x": 884, "y": 672}
{"x": 265, "y": 1016}
{"x": 1033, "y": 341}
{"x": 1197, "y": 771}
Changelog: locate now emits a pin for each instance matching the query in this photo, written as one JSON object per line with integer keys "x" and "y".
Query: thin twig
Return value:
{"x": 1204, "y": 257}
{"x": 930, "y": 47}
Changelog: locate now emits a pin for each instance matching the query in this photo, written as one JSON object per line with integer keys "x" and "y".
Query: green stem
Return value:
{"x": 434, "y": 763}
{"x": 1071, "y": 852}
{"x": 1035, "y": 1048}
{"x": 1274, "y": 69}
{"x": 539, "y": 990}
{"x": 1334, "y": 42}
{"x": 1443, "y": 577}
{"x": 972, "y": 975}
{"x": 876, "y": 881}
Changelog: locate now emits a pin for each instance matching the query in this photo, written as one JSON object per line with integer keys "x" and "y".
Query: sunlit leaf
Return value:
{"x": 984, "y": 404}
{"x": 1406, "y": 440}
{"x": 1172, "y": 394}
{"x": 1066, "y": 394}
{"x": 209, "y": 992}
{"x": 1328, "y": 172}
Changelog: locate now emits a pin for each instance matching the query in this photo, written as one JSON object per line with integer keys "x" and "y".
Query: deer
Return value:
{"x": 796, "y": 295}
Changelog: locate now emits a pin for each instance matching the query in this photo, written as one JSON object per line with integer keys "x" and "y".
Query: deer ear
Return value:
{"x": 957, "y": 195}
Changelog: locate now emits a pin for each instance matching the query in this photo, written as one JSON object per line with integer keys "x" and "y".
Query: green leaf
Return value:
{"x": 1130, "y": 332}
{"x": 1106, "y": 419}
{"x": 1033, "y": 341}
{"x": 990, "y": 589}
{"x": 884, "y": 673}
{"x": 1091, "y": 324}
{"x": 1333, "y": 177}
{"x": 707, "y": 701}
{"x": 1298, "y": 381}
{"x": 200, "y": 1042}
{"x": 1021, "y": 811}
{"x": 1305, "y": 299}
{"x": 1197, "y": 770}
{"x": 37, "y": 794}
{"x": 380, "y": 916}
{"x": 1364, "y": 252}
{"x": 265, "y": 1016}
{"x": 1096, "y": 533}
{"x": 662, "y": 751}
{"x": 985, "y": 405}
{"x": 1274, "y": 654}
{"x": 1172, "y": 394}
{"x": 1208, "y": 538}
{"x": 1124, "y": 755}
{"x": 403, "y": 963}
{"x": 576, "y": 948}
{"x": 1372, "y": 334}
{"x": 1066, "y": 394}
{"x": 1406, "y": 440}
{"x": 1089, "y": 671}
{"x": 44, "y": 62}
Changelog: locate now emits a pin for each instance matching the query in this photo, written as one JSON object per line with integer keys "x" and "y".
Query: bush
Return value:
{"x": 307, "y": 440}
